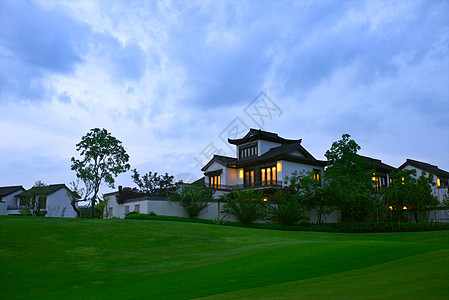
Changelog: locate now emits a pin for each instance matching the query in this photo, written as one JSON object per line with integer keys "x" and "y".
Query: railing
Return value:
{"x": 254, "y": 185}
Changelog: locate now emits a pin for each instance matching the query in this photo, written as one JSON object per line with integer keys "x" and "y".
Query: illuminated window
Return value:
{"x": 279, "y": 167}
{"x": 317, "y": 176}
{"x": 438, "y": 182}
{"x": 249, "y": 178}
{"x": 241, "y": 174}
{"x": 215, "y": 181}
{"x": 268, "y": 175}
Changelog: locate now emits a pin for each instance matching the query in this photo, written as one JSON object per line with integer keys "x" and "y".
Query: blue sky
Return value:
{"x": 172, "y": 79}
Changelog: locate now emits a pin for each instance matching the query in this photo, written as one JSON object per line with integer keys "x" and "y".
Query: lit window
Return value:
{"x": 438, "y": 182}
{"x": 241, "y": 174}
{"x": 215, "y": 181}
{"x": 279, "y": 166}
{"x": 317, "y": 176}
{"x": 268, "y": 175}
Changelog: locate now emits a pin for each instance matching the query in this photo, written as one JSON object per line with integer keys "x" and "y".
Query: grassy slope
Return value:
{"x": 78, "y": 258}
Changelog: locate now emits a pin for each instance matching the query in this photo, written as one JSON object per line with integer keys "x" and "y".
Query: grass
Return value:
{"x": 134, "y": 259}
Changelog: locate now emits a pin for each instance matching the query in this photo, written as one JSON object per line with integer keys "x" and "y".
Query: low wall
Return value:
{"x": 162, "y": 206}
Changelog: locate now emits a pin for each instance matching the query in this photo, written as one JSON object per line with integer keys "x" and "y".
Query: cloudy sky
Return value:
{"x": 173, "y": 79}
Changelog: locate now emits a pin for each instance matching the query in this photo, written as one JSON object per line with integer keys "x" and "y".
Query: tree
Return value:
{"x": 410, "y": 193}
{"x": 193, "y": 199}
{"x": 349, "y": 179}
{"x": 153, "y": 184}
{"x": 34, "y": 200}
{"x": 312, "y": 194}
{"x": 79, "y": 194}
{"x": 104, "y": 158}
{"x": 287, "y": 208}
{"x": 247, "y": 206}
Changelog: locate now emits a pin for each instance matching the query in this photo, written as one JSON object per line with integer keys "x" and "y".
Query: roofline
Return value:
{"x": 268, "y": 136}
{"x": 18, "y": 187}
{"x": 416, "y": 164}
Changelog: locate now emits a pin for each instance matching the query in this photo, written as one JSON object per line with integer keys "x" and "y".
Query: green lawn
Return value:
{"x": 81, "y": 258}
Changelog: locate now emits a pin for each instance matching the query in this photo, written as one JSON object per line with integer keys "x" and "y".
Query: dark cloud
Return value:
{"x": 34, "y": 43}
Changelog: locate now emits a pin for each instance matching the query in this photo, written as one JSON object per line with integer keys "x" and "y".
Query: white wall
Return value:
{"x": 58, "y": 205}
{"x": 265, "y": 146}
{"x": 289, "y": 167}
{"x": 11, "y": 201}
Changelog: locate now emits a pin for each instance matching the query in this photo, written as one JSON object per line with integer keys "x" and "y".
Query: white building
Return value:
{"x": 57, "y": 203}
{"x": 263, "y": 160}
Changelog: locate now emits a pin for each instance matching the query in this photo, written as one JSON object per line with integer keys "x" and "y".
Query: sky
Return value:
{"x": 173, "y": 80}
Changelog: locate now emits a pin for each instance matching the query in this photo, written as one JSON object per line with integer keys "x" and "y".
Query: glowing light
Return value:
{"x": 390, "y": 207}
{"x": 279, "y": 166}
{"x": 265, "y": 199}
{"x": 405, "y": 207}
{"x": 241, "y": 174}
{"x": 438, "y": 182}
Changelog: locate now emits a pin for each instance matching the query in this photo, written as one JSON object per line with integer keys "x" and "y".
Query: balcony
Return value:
{"x": 258, "y": 185}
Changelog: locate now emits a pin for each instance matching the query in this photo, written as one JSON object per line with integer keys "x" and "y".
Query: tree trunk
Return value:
{"x": 73, "y": 203}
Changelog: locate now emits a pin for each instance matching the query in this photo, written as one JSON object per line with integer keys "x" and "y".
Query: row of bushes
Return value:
{"x": 356, "y": 227}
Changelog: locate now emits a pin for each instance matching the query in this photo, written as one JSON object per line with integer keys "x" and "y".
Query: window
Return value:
{"x": 317, "y": 176}
{"x": 268, "y": 175}
{"x": 248, "y": 150}
{"x": 442, "y": 182}
{"x": 126, "y": 209}
{"x": 215, "y": 181}
{"x": 249, "y": 178}
{"x": 110, "y": 212}
{"x": 137, "y": 208}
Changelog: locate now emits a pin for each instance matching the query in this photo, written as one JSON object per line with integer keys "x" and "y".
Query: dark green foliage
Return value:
{"x": 193, "y": 199}
{"x": 286, "y": 208}
{"x": 152, "y": 184}
{"x": 408, "y": 194}
{"x": 312, "y": 194}
{"x": 246, "y": 205}
{"x": 349, "y": 180}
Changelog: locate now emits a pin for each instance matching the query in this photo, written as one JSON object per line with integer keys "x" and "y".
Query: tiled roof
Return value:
{"x": 6, "y": 190}
{"x": 258, "y": 134}
{"x": 50, "y": 189}
{"x": 378, "y": 164}
{"x": 425, "y": 166}
{"x": 223, "y": 160}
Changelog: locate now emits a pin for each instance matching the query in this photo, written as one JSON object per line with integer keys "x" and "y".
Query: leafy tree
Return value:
{"x": 349, "y": 179}
{"x": 312, "y": 194}
{"x": 103, "y": 158}
{"x": 287, "y": 208}
{"x": 153, "y": 184}
{"x": 193, "y": 199}
{"x": 410, "y": 193}
{"x": 246, "y": 205}
{"x": 34, "y": 200}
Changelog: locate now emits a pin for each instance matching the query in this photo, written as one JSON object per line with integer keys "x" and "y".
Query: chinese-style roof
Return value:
{"x": 378, "y": 164}
{"x": 7, "y": 190}
{"x": 258, "y": 134}
{"x": 223, "y": 160}
{"x": 425, "y": 167}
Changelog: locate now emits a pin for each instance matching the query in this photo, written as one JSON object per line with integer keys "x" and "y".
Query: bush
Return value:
{"x": 193, "y": 199}
{"x": 287, "y": 208}
{"x": 247, "y": 206}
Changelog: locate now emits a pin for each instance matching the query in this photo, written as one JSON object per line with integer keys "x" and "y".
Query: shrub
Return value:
{"x": 247, "y": 206}
{"x": 193, "y": 199}
{"x": 287, "y": 208}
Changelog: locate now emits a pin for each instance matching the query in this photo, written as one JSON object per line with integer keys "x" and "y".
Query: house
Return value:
{"x": 57, "y": 202}
{"x": 441, "y": 177}
{"x": 8, "y": 198}
{"x": 263, "y": 160}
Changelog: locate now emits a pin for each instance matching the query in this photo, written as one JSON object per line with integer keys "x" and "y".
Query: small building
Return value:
{"x": 381, "y": 176}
